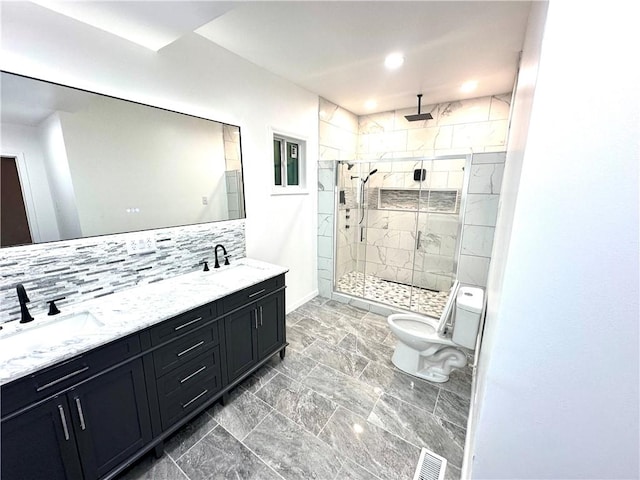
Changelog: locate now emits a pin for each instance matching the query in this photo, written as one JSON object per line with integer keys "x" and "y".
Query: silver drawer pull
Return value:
{"x": 258, "y": 293}
{"x": 193, "y": 374}
{"x": 79, "y": 407}
{"x": 64, "y": 422}
{"x": 260, "y": 315}
{"x": 191, "y": 348}
{"x": 185, "y": 405}
{"x": 62, "y": 379}
{"x": 187, "y": 324}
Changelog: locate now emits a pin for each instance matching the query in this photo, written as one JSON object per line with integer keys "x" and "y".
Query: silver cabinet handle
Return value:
{"x": 187, "y": 324}
{"x": 255, "y": 310}
{"x": 185, "y": 405}
{"x": 201, "y": 369}
{"x": 418, "y": 239}
{"x": 257, "y": 293}
{"x": 64, "y": 422}
{"x": 79, "y": 407}
{"x": 260, "y": 315}
{"x": 191, "y": 348}
{"x": 62, "y": 379}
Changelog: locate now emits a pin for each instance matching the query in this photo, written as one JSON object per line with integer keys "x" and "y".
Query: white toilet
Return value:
{"x": 426, "y": 346}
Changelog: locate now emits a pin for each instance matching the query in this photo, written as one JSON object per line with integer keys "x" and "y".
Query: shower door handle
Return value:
{"x": 418, "y": 239}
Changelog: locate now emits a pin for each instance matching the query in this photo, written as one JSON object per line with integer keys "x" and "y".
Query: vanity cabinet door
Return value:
{"x": 270, "y": 324}
{"x": 241, "y": 341}
{"x": 111, "y": 418}
{"x": 39, "y": 444}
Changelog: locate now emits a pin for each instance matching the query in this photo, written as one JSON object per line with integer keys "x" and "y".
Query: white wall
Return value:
{"x": 57, "y": 163}
{"x": 559, "y": 369}
{"x": 25, "y": 141}
{"x": 193, "y": 76}
{"x": 164, "y": 157}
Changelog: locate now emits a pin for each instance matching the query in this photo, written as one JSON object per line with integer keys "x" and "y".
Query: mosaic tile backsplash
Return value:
{"x": 88, "y": 268}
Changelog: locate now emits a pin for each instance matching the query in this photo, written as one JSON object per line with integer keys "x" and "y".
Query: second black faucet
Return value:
{"x": 224, "y": 251}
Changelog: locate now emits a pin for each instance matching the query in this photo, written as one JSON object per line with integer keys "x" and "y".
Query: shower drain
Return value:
{"x": 431, "y": 466}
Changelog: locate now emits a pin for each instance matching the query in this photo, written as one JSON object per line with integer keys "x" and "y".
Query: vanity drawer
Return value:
{"x": 185, "y": 349}
{"x": 252, "y": 293}
{"x": 173, "y": 407}
{"x": 52, "y": 380}
{"x": 191, "y": 373}
{"x": 182, "y": 324}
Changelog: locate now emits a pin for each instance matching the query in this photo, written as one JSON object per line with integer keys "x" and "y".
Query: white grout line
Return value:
{"x": 187, "y": 450}
{"x": 178, "y": 467}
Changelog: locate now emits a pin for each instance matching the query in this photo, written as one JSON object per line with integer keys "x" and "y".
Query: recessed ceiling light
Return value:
{"x": 394, "y": 60}
{"x": 370, "y": 104}
{"x": 469, "y": 86}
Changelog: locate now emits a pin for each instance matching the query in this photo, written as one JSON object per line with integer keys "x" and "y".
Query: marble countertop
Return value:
{"x": 27, "y": 348}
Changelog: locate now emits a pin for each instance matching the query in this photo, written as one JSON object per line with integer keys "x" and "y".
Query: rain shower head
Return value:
{"x": 419, "y": 116}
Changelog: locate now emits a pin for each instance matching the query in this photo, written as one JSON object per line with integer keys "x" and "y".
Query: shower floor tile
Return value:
{"x": 395, "y": 294}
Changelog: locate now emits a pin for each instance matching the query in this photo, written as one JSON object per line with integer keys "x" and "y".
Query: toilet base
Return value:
{"x": 435, "y": 367}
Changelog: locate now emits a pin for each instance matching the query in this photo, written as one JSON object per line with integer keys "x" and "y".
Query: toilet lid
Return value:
{"x": 470, "y": 299}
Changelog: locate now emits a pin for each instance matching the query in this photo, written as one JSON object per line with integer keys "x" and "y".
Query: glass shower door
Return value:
{"x": 438, "y": 230}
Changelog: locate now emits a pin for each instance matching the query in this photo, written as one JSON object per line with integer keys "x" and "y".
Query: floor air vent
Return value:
{"x": 430, "y": 466}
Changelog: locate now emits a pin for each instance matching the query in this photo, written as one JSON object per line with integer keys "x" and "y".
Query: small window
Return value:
{"x": 288, "y": 161}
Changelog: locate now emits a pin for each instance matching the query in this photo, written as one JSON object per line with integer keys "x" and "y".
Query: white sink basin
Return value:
{"x": 47, "y": 331}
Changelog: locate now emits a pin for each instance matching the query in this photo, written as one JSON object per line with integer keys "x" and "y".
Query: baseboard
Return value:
{"x": 292, "y": 306}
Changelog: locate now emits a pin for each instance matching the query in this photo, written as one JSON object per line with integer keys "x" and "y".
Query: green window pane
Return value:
{"x": 277, "y": 161}
{"x": 293, "y": 157}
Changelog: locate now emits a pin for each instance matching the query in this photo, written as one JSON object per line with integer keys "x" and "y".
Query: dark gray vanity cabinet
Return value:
{"x": 40, "y": 444}
{"x": 91, "y": 416}
{"x": 256, "y": 331}
{"x": 84, "y": 431}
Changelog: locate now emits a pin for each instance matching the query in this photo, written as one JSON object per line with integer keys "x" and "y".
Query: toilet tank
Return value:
{"x": 469, "y": 303}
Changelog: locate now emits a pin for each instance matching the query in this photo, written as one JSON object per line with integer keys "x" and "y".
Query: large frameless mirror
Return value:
{"x": 78, "y": 164}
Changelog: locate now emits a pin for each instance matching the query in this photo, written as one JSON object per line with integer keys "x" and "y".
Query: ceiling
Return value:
{"x": 337, "y": 49}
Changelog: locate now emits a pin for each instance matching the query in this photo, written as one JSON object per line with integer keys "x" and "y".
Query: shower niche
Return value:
{"x": 398, "y": 232}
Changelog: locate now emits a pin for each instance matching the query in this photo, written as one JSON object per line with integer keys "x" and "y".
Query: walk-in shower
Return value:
{"x": 397, "y": 230}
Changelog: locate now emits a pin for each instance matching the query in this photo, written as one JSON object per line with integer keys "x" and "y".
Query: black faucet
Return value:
{"x": 25, "y": 316}
{"x": 226, "y": 258}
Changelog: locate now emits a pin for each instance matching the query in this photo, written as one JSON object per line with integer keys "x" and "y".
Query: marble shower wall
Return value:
{"x": 338, "y": 134}
{"x": 233, "y": 173}
{"x": 93, "y": 267}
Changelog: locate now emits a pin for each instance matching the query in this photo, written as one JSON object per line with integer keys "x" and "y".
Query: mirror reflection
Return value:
{"x": 78, "y": 164}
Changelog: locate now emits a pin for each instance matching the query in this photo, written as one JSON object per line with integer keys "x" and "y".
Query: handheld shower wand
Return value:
{"x": 364, "y": 181}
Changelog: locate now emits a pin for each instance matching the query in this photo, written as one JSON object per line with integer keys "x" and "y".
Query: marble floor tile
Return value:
{"x": 255, "y": 381}
{"x": 453, "y": 408}
{"x": 188, "y": 435}
{"x": 299, "y": 338}
{"x": 329, "y": 334}
{"x": 370, "y": 446}
{"x": 374, "y": 330}
{"x": 321, "y": 314}
{"x": 220, "y": 456}
{"x": 418, "y": 393}
{"x": 368, "y": 348}
{"x": 345, "y": 309}
{"x": 353, "y": 471}
{"x": 307, "y": 408}
{"x": 293, "y": 317}
{"x": 452, "y": 473}
{"x": 420, "y": 428}
{"x": 342, "y": 389}
{"x": 317, "y": 301}
{"x": 292, "y": 451}
{"x": 243, "y": 412}
{"x": 459, "y": 383}
{"x": 337, "y": 358}
{"x": 295, "y": 365}
{"x": 150, "y": 468}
